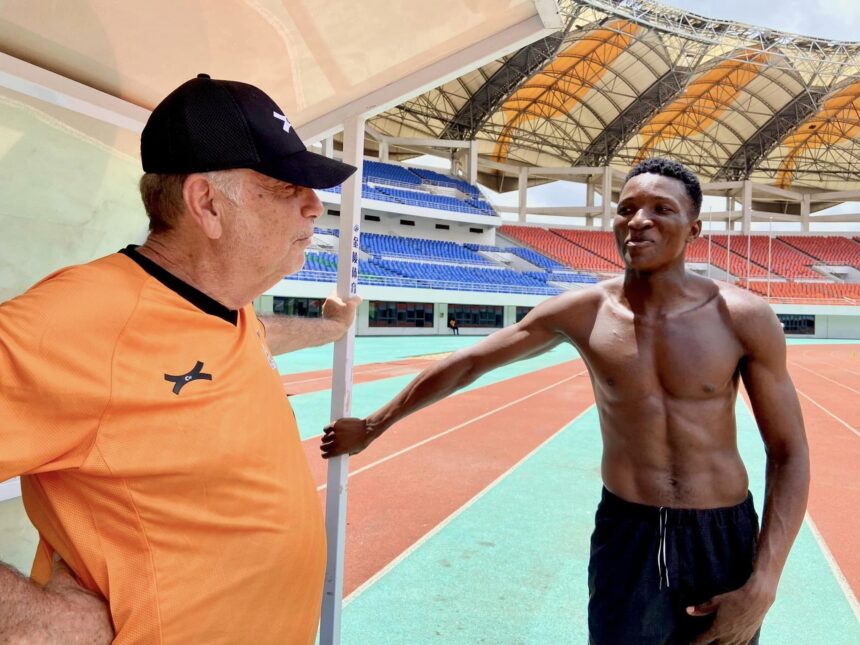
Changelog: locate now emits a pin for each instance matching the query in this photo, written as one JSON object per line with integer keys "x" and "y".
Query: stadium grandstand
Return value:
{"x": 765, "y": 118}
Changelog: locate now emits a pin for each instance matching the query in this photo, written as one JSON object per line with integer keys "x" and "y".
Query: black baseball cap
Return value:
{"x": 208, "y": 124}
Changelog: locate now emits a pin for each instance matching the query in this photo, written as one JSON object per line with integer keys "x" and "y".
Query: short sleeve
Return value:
{"x": 56, "y": 347}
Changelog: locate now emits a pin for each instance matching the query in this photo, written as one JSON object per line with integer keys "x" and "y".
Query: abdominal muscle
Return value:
{"x": 678, "y": 453}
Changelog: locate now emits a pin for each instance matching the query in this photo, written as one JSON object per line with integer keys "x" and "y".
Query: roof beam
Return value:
{"x": 745, "y": 159}
{"x": 472, "y": 115}
{"x": 625, "y": 126}
{"x": 39, "y": 83}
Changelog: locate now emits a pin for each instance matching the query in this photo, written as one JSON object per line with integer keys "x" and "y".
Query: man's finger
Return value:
{"x": 704, "y": 608}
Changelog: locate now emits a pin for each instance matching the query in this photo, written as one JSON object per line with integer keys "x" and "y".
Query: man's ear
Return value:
{"x": 695, "y": 230}
{"x": 199, "y": 197}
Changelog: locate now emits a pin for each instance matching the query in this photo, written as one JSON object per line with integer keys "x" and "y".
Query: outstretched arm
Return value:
{"x": 538, "y": 332}
{"x": 777, "y": 412}
{"x": 290, "y": 333}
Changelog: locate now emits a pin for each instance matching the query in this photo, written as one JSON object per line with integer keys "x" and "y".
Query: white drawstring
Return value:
{"x": 662, "y": 567}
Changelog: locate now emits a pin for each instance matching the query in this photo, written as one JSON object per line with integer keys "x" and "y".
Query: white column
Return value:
{"x": 747, "y": 207}
{"x": 523, "y": 185}
{"x": 383, "y": 151}
{"x": 589, "y": 201}
{"x": 328, "y": 147}
{"x": 341, "y": 387}
{"x": 805, "y": 208}
{"x": 472, "y": 166}
{"x": 606, "y": 216}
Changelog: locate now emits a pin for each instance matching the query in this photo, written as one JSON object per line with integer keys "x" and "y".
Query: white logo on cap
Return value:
{"x": 282, "y": 117}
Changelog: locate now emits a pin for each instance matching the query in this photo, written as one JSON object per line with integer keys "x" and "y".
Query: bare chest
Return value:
{"x": 694, "y": 355}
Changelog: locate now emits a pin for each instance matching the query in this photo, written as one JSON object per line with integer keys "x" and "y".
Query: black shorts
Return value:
{"x": 649, "y": 564}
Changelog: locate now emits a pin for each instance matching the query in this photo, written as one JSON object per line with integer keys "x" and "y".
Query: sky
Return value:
{"x": 832, "y": 19}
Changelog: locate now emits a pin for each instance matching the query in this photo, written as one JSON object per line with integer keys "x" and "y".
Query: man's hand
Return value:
{"x": 347, "y": 436}
{"x": 739, "y": 615}
{"x": 339, "y": 311}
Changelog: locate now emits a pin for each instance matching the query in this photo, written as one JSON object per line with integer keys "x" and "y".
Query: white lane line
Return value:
{"x": 819, "y": 375}
{"x": 851, "y": 371}
{"x": 834, "y": 567}
{"x": 818, "y": 405}
{"x": 436, "y": 529}
{"x": 457, "y": 427}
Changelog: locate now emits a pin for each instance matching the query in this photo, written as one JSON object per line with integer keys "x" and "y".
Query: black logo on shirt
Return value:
{"x": 194, "y": 375}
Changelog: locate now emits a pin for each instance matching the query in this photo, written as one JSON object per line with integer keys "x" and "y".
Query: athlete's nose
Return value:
{"x": 640, "y": 220}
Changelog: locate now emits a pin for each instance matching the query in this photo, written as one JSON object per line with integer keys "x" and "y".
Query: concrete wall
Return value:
{"x": 845, "y": 327}
{"x": 68, "y": 191}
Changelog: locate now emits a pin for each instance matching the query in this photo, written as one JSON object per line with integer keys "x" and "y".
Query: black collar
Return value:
{"x": 192, "y": 295}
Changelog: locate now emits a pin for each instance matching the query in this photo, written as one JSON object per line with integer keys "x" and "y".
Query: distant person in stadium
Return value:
{"x": 160, "y": 457}
{"x": 676, "y": 554}
{"x": 453, "y": 325}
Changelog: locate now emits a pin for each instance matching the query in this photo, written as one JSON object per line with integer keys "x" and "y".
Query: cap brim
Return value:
{"x": 308, "y": 169}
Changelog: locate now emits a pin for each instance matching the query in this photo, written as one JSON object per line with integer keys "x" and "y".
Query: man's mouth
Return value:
{"x": 637, "y": 243}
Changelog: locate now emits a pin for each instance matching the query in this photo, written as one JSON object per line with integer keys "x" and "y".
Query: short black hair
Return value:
{"x": 673, "y": 170}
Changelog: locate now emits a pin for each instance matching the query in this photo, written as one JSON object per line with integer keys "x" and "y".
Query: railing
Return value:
{"x": 404, "y": 257}
{"x": 422, "y": 283}
{"x": 842, "y": 301}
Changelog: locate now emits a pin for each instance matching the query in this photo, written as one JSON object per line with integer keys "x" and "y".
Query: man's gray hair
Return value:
{"x": 162, "y": 195}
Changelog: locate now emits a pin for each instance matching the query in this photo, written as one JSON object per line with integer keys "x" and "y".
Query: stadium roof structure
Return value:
{"x": 628, "y": 79}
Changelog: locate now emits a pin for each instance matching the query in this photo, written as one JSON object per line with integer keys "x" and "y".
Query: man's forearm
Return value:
{"x": 787, "y": 490}
{"x": 21, "y": 604}
{"x": 430, "y": 386}
{"x": 60, "y": 612}
{"x": 290, "y": 333}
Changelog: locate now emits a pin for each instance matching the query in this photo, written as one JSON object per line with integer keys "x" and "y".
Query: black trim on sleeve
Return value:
{"x": 194, "y": 296}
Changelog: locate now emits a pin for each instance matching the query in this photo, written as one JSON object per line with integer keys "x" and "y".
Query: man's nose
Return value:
{"x": 641, "y": 219}
{"x": 313, "y": 206}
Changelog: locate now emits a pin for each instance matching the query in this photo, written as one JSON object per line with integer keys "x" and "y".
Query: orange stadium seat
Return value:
{"x": 831, "y": 249}
{"x": 560, "y": 248}
{"x": 785, "y": 260}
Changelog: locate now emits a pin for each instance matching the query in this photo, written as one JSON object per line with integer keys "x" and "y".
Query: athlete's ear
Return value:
{"x": 695, "y": 230}
{"x": 202, "y": 204}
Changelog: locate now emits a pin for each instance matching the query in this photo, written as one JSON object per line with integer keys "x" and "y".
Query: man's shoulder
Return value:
{"x": 751, "y": 317}
{"x": 107, "y": 288}
{"x": 741, "y": 301}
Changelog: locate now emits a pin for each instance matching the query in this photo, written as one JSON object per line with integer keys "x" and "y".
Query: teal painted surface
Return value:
{"x": 821, "y": 341}
{"x": 512, "y": 567}
{"x": 381, "y": 349}
{"x": 313, "y": 409}
{"x": 810, "y": 606}
{"x": 373, "y": 349}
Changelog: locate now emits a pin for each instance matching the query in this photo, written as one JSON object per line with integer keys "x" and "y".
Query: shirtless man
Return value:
{"x": 676, "y": 555}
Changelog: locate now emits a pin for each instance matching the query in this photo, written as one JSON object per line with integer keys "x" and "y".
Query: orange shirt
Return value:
{"x": 160, "y": 456}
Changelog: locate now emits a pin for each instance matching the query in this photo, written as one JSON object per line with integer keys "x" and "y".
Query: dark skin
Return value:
{"x": 665, "y": 350}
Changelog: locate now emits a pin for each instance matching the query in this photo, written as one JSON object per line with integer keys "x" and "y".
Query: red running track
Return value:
{"x": 438, "y": 459}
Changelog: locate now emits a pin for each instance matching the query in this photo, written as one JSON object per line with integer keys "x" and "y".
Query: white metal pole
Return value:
{"x": 341, "y": 386}
{"x": 769, "y": 255}
{"x": 710, "y": 237}
{"x": 749, "y": 246}
{"x": 729, "y": 247}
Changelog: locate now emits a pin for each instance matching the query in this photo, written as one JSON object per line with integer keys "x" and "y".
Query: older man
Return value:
{"x": 160, "y": 458}
{"x": 675, "y": 556}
